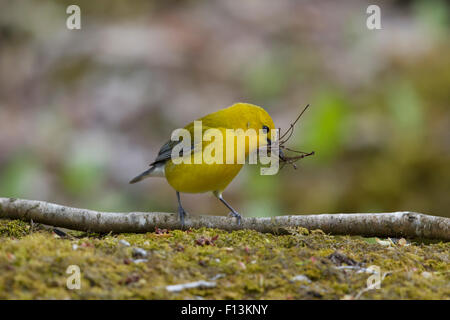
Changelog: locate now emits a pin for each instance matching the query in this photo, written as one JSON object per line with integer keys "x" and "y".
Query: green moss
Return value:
{"x": 245, "y": 265}
{"x": 13, "y": 228}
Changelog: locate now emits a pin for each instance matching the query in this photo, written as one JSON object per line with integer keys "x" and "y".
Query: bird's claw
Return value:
{"x": 237, "y": 216}
{"x": 182, "y": 215}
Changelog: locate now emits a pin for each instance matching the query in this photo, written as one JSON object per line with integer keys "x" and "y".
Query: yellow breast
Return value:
{"x": 212, "y": 167}
{"x": 198, "y": 178}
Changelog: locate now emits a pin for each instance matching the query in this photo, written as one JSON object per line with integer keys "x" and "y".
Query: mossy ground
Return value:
{"x": 246, "y": 265}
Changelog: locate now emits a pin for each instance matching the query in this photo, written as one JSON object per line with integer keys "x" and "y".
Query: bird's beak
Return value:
{"x": 280, "y": 152}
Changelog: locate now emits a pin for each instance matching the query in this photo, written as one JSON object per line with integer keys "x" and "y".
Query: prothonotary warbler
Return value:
{"x": 193, "y": 166}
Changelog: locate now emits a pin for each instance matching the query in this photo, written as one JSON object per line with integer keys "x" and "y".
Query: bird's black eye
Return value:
{"x": 265, "y": 129}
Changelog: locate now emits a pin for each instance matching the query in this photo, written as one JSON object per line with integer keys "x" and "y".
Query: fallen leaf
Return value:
{"x": 131, "y": 279}
{"x": 386, "y": 243}
{"x": 10, "y": 257}
{"x": 124, "y": 243}
{"x": 338, "y": 258}
{"x": 160, "y": 231}
{"x": 301, "y": 277}
{"x": 190, "y": 285}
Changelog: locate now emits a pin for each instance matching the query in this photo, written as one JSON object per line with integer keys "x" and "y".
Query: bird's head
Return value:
{"x": 256, "y": 118}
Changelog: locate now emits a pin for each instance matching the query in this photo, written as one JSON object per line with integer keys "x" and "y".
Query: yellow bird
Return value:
{"x": 204, "y": 176}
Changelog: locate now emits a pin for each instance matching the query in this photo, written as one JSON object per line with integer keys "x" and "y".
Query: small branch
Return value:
{"x": 396, "y": 224}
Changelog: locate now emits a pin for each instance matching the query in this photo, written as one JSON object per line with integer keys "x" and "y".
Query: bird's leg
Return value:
{"x": 233, "y": 212}
{"x": 181, "y": 211}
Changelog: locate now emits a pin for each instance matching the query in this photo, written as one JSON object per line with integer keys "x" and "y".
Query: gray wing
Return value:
{"x": 165, "y": 153}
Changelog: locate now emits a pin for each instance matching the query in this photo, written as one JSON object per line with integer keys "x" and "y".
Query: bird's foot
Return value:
{"x": 236, "y": 215}
{"x": 182, "y": 214}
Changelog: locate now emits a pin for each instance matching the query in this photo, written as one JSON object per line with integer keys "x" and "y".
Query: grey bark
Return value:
{"x": 394, "y": 224}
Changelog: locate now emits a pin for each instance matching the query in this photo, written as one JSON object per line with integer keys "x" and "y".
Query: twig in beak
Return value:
{"x": 290, "y": 131}
{"x": 291, "y": 160}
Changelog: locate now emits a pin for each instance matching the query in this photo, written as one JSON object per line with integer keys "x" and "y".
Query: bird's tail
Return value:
{"x": 143, "y": 175}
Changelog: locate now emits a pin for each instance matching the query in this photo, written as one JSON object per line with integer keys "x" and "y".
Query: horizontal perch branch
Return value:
{"x": 396, "y": 224}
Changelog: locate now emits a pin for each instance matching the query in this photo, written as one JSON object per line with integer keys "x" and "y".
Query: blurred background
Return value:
{"x": 84, "y": 111}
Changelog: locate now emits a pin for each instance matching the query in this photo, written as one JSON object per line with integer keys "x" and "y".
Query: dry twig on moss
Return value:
{"x": 395, "y": 224}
